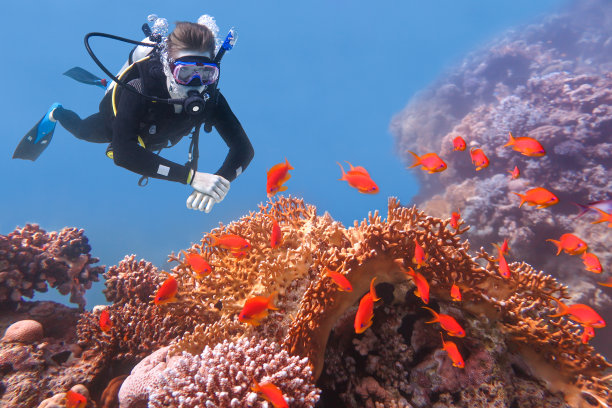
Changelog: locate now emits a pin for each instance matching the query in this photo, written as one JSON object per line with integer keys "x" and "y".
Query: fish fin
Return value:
{"x": 282, "y": 188}
{"x": 286, "y": 178}
{"x": 557, "y": 243}
{"x": 214, "y": 239}
{"x": 373, "y": 290}
{"x": 271, "y": 301}
{"x": 562, "y": 307}
{"x": 436, "y": 317}
{"x": 522, "y": 197}
{"x": 289, "y": 167}
{"x": 416, "y": 158}
{"x": 343, "y": 172}
{"x": 511, "y": 140}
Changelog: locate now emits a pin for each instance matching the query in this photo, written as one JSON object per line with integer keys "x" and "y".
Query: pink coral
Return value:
{"x": 134, "y": 391}
{"x": 24, "y": 331}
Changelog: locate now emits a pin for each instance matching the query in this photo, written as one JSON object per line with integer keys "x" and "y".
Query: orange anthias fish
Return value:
{"x": 455, "y": 217}
{"x": 570, "y": 243}
{"x": 232, "y": 242}
{"x": 455, "y": 293}
{"x": 453, "y": 352}
{"x": 197, "y": 264}
{"x": 277, "y": 175}
{"x": 365, "y": 312}
{"x": 359, "y": 178}
{"x": 504, "y": 269}
{"x": 75, "y": 400}
{"x": 447, "y": 322}
{"x": 105, "y": 322}
{"x": 479, "y": 159}
{"x": 339, "y": 279}
{"x": 166, "y": 292}
{"x": 256, "y": 308}
{"x": 538, "y": 196}
{"x": 604, "y": 216}
{"x": 515, "y": 173}
{"x": 431, "y": 162}
{"x": 422, "y": 286}
{"x": 580, "y": 313}
{"x": 459, "y": 144}
{"x": 587, "y": 334}
{"x": 276, "y": 236}
{"x": 527, "y": 146}
{"x": 419, "y": 255}
{"x": 270, "y": 393}
{"x": 591, "y": 262}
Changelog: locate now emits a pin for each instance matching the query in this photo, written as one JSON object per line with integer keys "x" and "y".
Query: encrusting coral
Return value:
{"x": 31, "y": 258}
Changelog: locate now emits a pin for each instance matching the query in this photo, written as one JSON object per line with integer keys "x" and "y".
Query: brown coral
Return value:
{"x": 31, "y": 258}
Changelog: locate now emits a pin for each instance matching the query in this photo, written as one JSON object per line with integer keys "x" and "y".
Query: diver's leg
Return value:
{"x": 91, "y": 129}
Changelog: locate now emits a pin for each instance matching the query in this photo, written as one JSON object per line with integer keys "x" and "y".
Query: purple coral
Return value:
{"x": 222, "y": 377}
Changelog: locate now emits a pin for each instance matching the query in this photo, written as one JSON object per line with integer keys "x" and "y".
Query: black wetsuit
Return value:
{"x": 158, "y": 125}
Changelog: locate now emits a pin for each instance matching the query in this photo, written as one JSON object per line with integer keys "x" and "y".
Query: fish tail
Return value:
{"x": 350, "y": 165}
{"x": 511, "y": 140}
{"x": 288, "y": 165}
{"x": 343, "y": 173}
{"x": 373, "y": 290}
{"x": 558, "y": 244}
{"x": 436, "y": 317}
{"x": 522, "y": 197}
{"x": 417, "y": 159}
{"x": 215, "y": 240}
{"x": 604, "y": 215}
{"x": 562, "y": 307}
{"x": 271, "y": 301}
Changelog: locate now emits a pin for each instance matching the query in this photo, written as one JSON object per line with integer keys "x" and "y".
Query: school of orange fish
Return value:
{"x": 256, "y": 309}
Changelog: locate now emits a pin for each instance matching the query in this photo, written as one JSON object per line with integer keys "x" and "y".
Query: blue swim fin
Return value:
{"x": 85, "y": 77}
{"x": 38, "y": 138}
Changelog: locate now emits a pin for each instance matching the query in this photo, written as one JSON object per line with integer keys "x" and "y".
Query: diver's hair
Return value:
{"x": 190, "y": 36}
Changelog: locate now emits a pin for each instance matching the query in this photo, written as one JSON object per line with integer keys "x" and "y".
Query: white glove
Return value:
{"x": 210, "y": 185}
{"x": 199, "y": 201}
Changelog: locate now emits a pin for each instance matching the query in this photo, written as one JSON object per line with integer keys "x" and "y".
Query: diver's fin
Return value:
{"x": 37, "y": 139}
{"x": 86, "y": 77}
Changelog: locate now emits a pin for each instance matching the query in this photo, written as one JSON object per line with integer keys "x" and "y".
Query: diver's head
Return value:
{"x": 189, "y": 65}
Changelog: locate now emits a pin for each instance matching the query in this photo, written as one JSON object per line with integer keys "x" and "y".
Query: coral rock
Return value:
{"x": 24, "y": 331}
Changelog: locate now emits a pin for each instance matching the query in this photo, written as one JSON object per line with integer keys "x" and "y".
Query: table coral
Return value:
{"x": 31, "y": 258}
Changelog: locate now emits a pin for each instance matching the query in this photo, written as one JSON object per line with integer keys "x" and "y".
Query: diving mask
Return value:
{"x": 194, "y": 71}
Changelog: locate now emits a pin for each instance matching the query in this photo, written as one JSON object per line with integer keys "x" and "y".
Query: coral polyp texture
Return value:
{"x": 194, "y": 351}
{"x": 550, "y": 81}
{"x": 31, "y": 259}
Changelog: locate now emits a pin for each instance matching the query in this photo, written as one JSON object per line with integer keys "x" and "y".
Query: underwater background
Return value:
{"x": 319, "y": 83}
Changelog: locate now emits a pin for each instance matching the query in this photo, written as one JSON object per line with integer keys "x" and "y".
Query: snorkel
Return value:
{"x": 195, "y": 101}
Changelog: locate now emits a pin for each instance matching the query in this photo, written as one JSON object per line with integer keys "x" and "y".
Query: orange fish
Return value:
{"x": 277, "y": 175}
{"x": 515, "y": 173}
{"x": 256, "y": 308}
{"x": 458, "y": 144}
{"x": 504, "y": 269}
{"x": 538, "y": 196}
{"x": 447, "y": 322}
{"x": 359, "y": 178}
{"x": 105, "y": 322}
{"x": 75, "y": 400}
{"x": 339, "y": 279}
{"x": 419, "y": 255}
{"x": 455, "y": 293}
{"x": 166, "y": 292}
{"x": 431, "y": 162}
{"x": 479, "y": 159}
{"x": 453, "y": 352}
{"x": 587, "y": 334}
{"x": 276, "y": 237}
{"x": 591, "y": 262}
{"x": 238, "y": 254}
{"x": 365, "y": 312}
{"x": 270, "y": 393}
{"x": 605, "y": 217}
{"x": 422, "y": 287}
{"x": 527, "y": 146}
{"x": 198, "y": 264}
{"x": 607, "y": 283}
{"x": 232, "y": 242}
{"x": 454, "y": 221}
{"x": 580, "y": 313}
{"x": 570, "y": 243}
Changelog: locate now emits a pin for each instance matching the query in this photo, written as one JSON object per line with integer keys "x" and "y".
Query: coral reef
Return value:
{"x": 23, "y": 331}
{"x": 550, "y": 81}
{"x": 31, "y": 258}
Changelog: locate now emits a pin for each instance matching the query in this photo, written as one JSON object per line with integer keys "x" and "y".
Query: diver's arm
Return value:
{"x": 129, "y": 154}
{"x": 240, "y": 149}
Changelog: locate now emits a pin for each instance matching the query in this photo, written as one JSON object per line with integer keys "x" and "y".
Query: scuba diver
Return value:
{"x": 152, "y": 104}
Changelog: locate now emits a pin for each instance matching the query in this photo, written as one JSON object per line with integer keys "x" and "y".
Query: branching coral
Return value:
{"x": 223, "y": 376}
{"x": 30, "y": 259}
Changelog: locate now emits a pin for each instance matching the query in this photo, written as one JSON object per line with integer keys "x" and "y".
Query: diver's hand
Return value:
{"x": 210, "y": 185}
{"x": 198, "y": 201}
